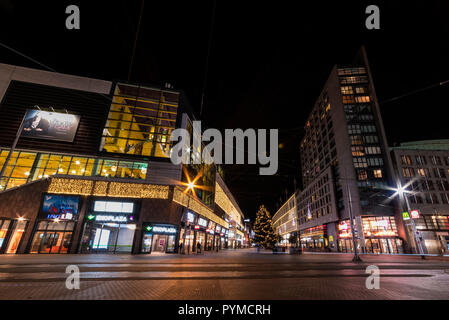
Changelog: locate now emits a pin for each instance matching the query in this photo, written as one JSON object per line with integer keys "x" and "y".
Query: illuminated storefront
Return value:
{"x": 159, "y": 238}
{"x": 315, "y": 238}
{"x": 55, "y": 224}
{"x": 380, "y": 234}
{"x": 109, "y": 227}
{"x": 11, "y": 233}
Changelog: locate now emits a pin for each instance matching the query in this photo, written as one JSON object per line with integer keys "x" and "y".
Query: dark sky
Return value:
{"x": 268, "y": 63}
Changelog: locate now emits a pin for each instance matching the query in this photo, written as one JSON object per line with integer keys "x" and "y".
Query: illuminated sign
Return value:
{"x": 197, "y": 227}
{"x": 405, "y": 215}
{"x": 414, "y": 214}
{"x": 114, "y": 206}
{"x": 190, "y": 217}
{"x": 110, "y": 218}
{"x": 202, "y": 222}
{"x": 164, "y": 229}
{"x": 59, "y": 207}
{"x": 343, "y": 226}
{"x": 217, "y": 228}
{"x": 380, "y": 223}
{"x": 50, "y": 125}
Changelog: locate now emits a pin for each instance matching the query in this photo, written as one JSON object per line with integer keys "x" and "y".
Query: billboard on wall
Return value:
{"x": 50, "y": 125}
{"x": 59, "y": 206}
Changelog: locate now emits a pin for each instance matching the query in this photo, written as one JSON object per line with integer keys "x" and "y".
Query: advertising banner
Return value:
{"x": 50, "y": 125}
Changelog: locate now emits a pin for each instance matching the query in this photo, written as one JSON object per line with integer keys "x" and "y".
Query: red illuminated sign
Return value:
{"x": 197, "y": 227}
{"x": 414, "y": 214}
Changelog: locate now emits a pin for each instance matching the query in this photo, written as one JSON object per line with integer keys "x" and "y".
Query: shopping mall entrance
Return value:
{"x": 107, "y": 237}
{"x": 52, "y": 237}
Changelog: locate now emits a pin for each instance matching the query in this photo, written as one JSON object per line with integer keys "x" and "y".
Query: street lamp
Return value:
{"x": 401, "y": 190}
{"x": 356, "y": 257}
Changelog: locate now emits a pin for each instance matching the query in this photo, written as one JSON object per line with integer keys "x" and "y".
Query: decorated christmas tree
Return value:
{"x": 263, "y": 229}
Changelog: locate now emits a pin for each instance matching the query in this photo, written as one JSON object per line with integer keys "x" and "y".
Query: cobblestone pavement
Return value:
{"x": 233, "y": 274}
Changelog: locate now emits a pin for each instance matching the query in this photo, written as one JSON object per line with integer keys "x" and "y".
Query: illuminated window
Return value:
{"x": 406, "y": 160}
{"x": 140, "y": 121}
{"x": 362, "y": 175}
{"x": 362, "y": 99}
{"x": 357, "y": 151}
{"x": 24, "y": 167}
{"x": 361, "y": 90}
{"x": 408, "y": 172}
{"x": 347, "y": 90}
{"x": 377, "y": 173}
{"x": 348, "y": 99}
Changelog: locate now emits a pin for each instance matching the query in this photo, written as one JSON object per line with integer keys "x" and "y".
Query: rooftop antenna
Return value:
{"x": 207, "y": 57}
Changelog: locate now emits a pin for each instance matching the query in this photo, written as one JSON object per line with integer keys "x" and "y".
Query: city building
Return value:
{"x": 422, "y": 169}
{"x": 91, "y": 170}
{"x": 285, "y": 221}
{"x": 346, "y": 169}
{"x": 248, "y": 236}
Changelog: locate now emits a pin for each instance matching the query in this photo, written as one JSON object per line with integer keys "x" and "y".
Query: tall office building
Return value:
{"x": 346, "y": 168}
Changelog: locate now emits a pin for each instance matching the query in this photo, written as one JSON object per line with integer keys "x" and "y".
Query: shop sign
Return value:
{"x": 164, "y": 229}
{"x": 190, "y": 217}
{"x": 231, "y": 234}
{"x": 414, "y": 214}
{"x": 381, "y": 223}
{"x": 50, "y": 125}
{"x": 211, "y": 225}
{"x": 107, "y": 218}
{"x": 343, "y": 226}
{"x": 217, "y": 228}
{"x": 59, "y": 207}
{"x": 405, "y": 215}
{"x": 202, "y": 222}
{"x": 196, "y": 227}
{"x": 331, "y": 238}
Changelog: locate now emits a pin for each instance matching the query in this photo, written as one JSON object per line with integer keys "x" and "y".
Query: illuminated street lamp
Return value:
{"x": 400, "y": 191}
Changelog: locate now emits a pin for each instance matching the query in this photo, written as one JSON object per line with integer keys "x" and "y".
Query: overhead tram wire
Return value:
{"x": 206, "y": 71}
{"x": 135, "y": 40}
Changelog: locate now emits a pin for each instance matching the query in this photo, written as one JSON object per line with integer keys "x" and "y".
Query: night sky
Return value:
{"x": 268, "y": 63}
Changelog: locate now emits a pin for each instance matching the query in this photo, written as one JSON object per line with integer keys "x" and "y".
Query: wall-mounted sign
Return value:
{"x": 217, "y": 228}
{"x": 211, "y": 225}
{"x": 108, "y": 218}
{"x": 190, "y": 217}
{"x": 414, "y": 214}
{"x": 50, "y": 125}
{"x": 196, "y": 227}
{"x": 113, "y": 206}
{"x": 405, "y": 215}
{"x": 59, "y": 207}
{"x": 380, "y": 223}
{"x": 164, "y": 229}
{"x": 202, "y": 222}
{"x": 343, "y": 226}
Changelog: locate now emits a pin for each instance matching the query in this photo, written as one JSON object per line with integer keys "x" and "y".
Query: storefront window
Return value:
{"x": 16, "y": 236}
{"x": 4, "y": 227}
{"x": 52, "y": 237}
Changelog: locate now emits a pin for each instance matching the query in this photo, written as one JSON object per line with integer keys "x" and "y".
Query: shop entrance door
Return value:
{"x": 159, "y": 242}
{"x": 52, "y": 237}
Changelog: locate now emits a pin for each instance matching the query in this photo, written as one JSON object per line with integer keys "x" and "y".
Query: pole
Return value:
{"x": 356, "y": 257}
{"x": 13, "y": 147}
{"x": 417, "y": 240}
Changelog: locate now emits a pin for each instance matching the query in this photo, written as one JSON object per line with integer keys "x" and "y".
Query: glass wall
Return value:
{"x": 107, "y": 237}
{"x": 140, "y": 121}
{"x": 24, "y": 167}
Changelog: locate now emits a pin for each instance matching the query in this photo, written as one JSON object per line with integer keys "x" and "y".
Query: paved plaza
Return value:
{"x": 230, "y": 274}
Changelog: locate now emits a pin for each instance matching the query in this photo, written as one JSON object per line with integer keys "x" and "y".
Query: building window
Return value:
{"x": 348, "y": 99}
{"x": 354, "y": 129}
{"x": 357, "y": 151}
{"x": 362, "y": 99}
{"x": 347, "y": 90}
{"x": 375, "y": 162}
{"x": 356, "y": 140}
{"x": 361, "y": 90}
{"x": 421, "y": 160}
{"x": 25, "y": 167}
{"x": 372, "y": 150}
{"x": 408, "y": 172}
{"x": 377, "y": 173}
{"x": 140, "y": 121}
{"x": 360, "y": 162}
{"x": 406, "y": 160}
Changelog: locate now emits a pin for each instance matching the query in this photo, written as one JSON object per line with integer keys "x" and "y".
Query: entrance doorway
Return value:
{"x": 162, "y": 243}
{"x": 107, "y": 237}
{"x": 52, "y": 237}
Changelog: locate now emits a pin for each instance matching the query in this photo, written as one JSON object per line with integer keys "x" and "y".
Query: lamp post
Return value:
{"x": 400, "y": 190}
{"x": 356, "y": 257}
